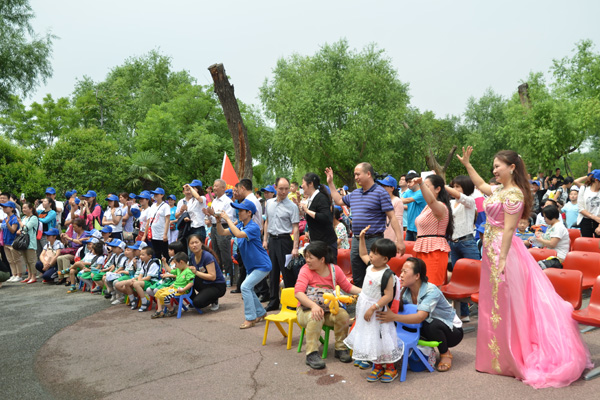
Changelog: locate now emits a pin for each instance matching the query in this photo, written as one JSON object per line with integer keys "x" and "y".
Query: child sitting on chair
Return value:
{"x": 123, "y": 276}
{"x": 165, "y": 274}
{"x": 116, "y": 262}
{"x": 95, "y": 255}
{"x": 184, "y": 281}
{"x": 148, "y": 275}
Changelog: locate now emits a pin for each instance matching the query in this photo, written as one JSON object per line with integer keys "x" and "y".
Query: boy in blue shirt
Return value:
{"x": 415, "y": 203}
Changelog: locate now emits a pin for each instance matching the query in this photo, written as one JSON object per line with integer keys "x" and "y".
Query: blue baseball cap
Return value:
{"x": 269, "y": 188}
{"x": 388, "y": 181}
{"x": 132, "y": 195}
{"x": 92, "y": 240}
{"x": 112, "y": 197}
{"x": 52, "y": 232}
{"x": 10, "y": 204}
{"x": 138, "y": 245}
{"x": 144, "y": 195}
{"x": 595, "y": 174}
{"x": 106, "y": 229}
{"x": 345, "y": 187}
{"x": 158, "y": 191}
{"x": 229, "y": 193}
{"x": 117, "y": 243}
{"x": 535, "y": 182}
{"x": 245, "y": 205}
{"x": 135, "y": 212}
{"x": 77, "y": 201}
{"x": 196, "y": 183}
{"x": 68, "y": 194}
{"x": 172, "y": 197}
{"x": 50, "y": 190}
{"x": 90, "y": 193}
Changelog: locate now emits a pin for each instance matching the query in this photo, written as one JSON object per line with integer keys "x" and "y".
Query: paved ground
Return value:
{"x": 115, "y": 353}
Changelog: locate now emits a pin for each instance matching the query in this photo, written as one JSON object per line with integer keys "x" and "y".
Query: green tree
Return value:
{"x": 24, "y": 55}
{"x": 19, "y": 172}
{"x": 335, "y": 108}
{"x": 85, "y": 158}
{"x": 146, "y": 171}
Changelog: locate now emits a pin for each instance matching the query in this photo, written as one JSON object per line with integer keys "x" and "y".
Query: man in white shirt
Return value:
{"x": 222, "y": 243}
{"x": 195, "y": 204}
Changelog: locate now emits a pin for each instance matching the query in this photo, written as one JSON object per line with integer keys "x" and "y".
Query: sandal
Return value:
{"x": 260, "y": 319}
{"x": 247, "y": 324}
{"x": 158, "y": 314}
{"x": 444, "y": 366}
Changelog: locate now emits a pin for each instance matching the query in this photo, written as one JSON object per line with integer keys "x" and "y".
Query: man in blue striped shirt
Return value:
{"x": 370, "y": 205}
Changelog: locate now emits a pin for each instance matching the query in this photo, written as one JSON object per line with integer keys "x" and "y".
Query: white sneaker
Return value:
{"x": 18, "y": 279}
{"x": 11, "y": 279}
{"x": 214, "y": 306}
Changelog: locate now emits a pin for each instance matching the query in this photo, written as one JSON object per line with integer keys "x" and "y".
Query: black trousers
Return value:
{"x": 438, "y": 331}
{"x": 588, "y": 227}
{"x": 279, "y": 247}
{"x": 208, "y": 294}
{"x": 161, "y": 249}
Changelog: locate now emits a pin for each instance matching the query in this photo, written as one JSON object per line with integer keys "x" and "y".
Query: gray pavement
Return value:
{"x": 117, "y": 353}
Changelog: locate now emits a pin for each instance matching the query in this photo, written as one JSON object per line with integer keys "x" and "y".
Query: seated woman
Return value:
{"x": 315, "y": 276}
{"x": 439, "y": 320}
{"x": 47, "y": 262}
{"x": 556, "y": 237}
{"x": 209, "y": 282}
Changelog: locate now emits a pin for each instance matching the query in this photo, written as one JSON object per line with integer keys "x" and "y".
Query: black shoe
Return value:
{"x": 315, "y": 361}
{"x": 108, "y": 295}
{"x": 343, "y": 355}
{"x": 235, "y": 291}
{"x": 272, "y": 307}
{"x": 263, "y": 298}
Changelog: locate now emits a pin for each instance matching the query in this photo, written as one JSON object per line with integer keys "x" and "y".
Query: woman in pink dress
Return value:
{"x": 525, "y": 329}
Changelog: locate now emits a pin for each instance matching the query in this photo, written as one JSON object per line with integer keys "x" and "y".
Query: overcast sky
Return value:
{"x": 446, "y": 50}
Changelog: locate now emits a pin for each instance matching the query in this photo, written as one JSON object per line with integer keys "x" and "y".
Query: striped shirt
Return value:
{"x": 428, "y": 224}
{"x": 369, "y": 208}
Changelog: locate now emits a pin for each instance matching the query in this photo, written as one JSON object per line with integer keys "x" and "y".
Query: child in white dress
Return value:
{"x": 371, "y": 340}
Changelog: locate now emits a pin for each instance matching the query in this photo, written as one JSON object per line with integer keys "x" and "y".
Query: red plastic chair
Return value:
{"x": 541, "y": 254}
{"x": 586, "y": 262}
{"x": 573, "y": 234}
{"x": 344, "y": 263}
{"x": 591, "y": 316}
{"x": 475, "y": 298}
{"x": 465, "y": 280}
{"x": 586, "y": 244}
{"x": 302, "y": 241}
{"x": 567, "y": 283}
{"x": 396, "y": 263}
{"x": 410, "y": 248}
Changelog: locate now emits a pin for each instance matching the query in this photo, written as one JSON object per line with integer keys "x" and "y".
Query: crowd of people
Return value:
{"x": 150, "y": 246}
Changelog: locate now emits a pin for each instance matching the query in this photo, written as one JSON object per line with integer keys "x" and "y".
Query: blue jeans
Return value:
{"x": 252, "y": 306}
{"x": 463, "y": 249}
{"x": 411, "y": 236}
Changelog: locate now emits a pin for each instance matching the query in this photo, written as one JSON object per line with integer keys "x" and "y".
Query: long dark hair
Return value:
{"x": 510, "y": 157}
{"x": 443, "y": 196}
{"x": 418, "y": 267}
{"x": 31, "y": 207}
{"x": 204, "y": 247}
{"x": 313, "y": 178}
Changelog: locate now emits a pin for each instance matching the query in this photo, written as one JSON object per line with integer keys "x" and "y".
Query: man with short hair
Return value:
{"x": 370, "y": 206}
{"x": 402, "y": 188}
{"x": 222, "y": 243}
{"x": 281, "y": 224}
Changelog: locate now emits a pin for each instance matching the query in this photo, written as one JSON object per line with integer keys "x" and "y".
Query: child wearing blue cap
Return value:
{"x": 127, "y": 273}
{"x": 116, "y": 262}
{"x": 92, "y": 262}
{"x": 255, "y": 257}
{"x": 113, "y": 217}
{"x": 47, "y": 265}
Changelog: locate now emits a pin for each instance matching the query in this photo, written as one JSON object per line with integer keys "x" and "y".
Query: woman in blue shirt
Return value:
{"x": 255, "y": 258}
{"x": 9, "y": 232}
{"x": 48, "y": 219}
{"x": 438, "y": 318}
{"x": 209, "y": 282}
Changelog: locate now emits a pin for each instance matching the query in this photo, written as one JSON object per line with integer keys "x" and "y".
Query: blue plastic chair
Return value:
{"x": 409, "y": 334}
{"x": 180, "y": 301}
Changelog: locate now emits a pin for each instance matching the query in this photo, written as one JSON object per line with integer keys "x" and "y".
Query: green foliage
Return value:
{"x": 19, "y": 172}
{"x": 336, "y": 108}
{"x": 85, "y": 159}
{"x": 24, "y": 55}
{"x": 146, "y": 171}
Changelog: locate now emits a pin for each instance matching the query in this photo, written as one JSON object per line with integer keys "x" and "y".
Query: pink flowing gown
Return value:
{"x": 525, "y": 329}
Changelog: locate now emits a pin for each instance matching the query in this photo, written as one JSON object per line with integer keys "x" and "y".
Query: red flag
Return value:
{"x": 228, "y": 173}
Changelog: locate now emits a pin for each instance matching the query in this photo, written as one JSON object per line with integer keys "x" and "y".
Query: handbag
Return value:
{"x": 68, "y": 251}
{"x": 149, "y": 229}
{"x": 315, "y": 294}
{"x": 21, "y": 241}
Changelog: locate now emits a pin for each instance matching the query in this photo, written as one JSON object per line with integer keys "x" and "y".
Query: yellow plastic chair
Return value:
{"x": 287, "y": 315}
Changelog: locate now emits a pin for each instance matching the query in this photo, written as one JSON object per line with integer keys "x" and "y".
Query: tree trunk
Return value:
{"x": 435, "y": 166}
{"x": 524, "y": 95}
{"x": 239, "y": 133}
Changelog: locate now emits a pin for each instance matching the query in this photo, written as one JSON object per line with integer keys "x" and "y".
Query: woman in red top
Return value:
{"x": 434, "y": 227}
{"x": 316, "y": 274}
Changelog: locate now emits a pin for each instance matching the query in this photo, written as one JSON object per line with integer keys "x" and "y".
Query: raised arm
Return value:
{"x": 335, "y": 196}
{"x": 437, "y": 207}
{"x": 477, "y": 180}
{"x": 362, "y": 247}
